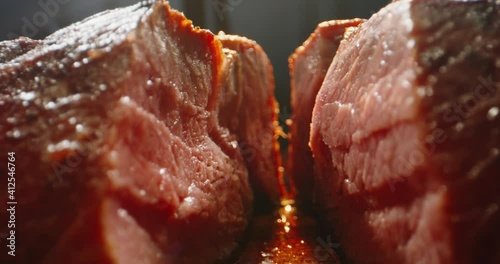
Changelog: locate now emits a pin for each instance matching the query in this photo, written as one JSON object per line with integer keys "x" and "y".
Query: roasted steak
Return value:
{"x": 308, "y": 66}
{"x": 406, "y": 135}
{"x": 249, "y": 110}
{"x": 13, "y": 48}
{"x": 125, "y": 151}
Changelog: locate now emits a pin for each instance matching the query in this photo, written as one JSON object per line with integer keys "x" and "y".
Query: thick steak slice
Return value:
{"x": 121, "y": 153}
{"x": 406, "y": 135}
{"x": 250, "y": 110}
{"x": 308, "y": 67}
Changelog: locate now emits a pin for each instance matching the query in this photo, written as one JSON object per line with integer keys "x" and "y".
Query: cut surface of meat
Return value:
{"x": 406, "y": 135}
{"x": 122, "y": 153}
{"x": 250, "y": 110}
{"x": 308, "y": 67}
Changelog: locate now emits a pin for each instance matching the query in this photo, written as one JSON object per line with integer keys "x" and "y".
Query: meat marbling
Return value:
{"x": 124, "y": 152}
{"x": 406, "y": 135}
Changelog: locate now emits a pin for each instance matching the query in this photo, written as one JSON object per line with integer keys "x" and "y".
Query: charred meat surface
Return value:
{"x": 308, "y": 67}
{"x": 406, "y": 135}
{"x": 124, "y": 153}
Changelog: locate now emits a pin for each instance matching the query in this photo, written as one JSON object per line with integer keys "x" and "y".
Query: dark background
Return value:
{"x": 278, "y": 25}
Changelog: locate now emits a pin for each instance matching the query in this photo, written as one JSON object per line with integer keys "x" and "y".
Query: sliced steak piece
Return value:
{"x": 406, "y": 135}
{"x": 308, "y": 66}
{"x": 250, "y": 110}
{"x": 122, "y": 155}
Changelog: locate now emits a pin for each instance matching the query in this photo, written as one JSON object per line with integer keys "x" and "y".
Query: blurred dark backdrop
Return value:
{"x": 278, "y": 25}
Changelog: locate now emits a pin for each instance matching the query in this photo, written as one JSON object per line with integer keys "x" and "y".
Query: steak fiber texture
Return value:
{"x": 406, "y": 135}
{"x": 127, "y": 149}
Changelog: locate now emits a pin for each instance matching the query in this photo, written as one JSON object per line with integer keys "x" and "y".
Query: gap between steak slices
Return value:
{"x": 124, "y": 158}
